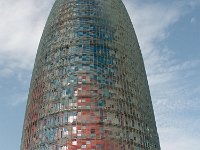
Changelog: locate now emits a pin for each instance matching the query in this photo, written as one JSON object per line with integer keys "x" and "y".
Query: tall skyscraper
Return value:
{"x": 89, "y": 89}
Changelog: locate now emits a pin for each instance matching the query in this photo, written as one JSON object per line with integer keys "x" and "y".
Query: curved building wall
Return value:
{"x": 89, "y": 88}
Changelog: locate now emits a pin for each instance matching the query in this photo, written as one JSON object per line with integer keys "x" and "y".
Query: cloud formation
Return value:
{"x": 152, "y": 23}
{"x": 20, "y": 30}
{"x": 169, "y": 78}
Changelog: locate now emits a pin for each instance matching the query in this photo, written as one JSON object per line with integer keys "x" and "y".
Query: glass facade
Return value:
{"x": 89, "y": 89}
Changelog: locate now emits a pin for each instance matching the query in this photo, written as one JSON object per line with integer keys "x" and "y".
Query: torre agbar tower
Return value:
{"x": 89, "y": 89}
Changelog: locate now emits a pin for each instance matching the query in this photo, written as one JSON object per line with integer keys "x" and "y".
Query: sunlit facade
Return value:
{"x": 89, "y": 89}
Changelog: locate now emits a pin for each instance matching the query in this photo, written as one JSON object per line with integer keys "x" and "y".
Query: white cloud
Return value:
{"x": 20, "y": 30}
{"x": 173, "y": 92}
{"x": 152, "y": 23}
{"x": 5, "y": 72}
{"x": 176, "y": 139}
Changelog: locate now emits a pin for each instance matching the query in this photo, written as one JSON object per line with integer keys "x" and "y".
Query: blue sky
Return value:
{"x": 169, "y": 36}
